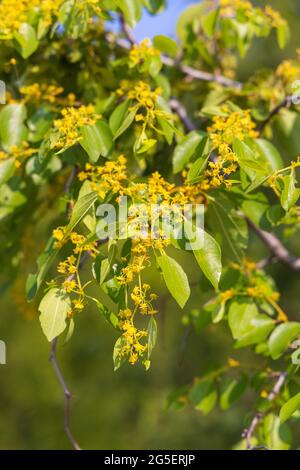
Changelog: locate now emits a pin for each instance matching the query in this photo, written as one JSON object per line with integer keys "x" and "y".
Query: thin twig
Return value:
{"x": 126, "y": 30}
{"x": 286, "y": 103}
{"x": 248, "y": 433}
{"x": 262, "y": 264}
{"x": 182, "y": 113}
{"x": 67, "y": 394}
{"x": 280, "y": 252}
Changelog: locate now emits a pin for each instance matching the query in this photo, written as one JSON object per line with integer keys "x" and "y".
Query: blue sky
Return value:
{"x": 164, "y": 23}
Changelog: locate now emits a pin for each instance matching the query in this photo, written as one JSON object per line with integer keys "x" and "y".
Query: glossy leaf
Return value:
{"x": 282, "y": 337}
{"x": 175, "y": 278}
{"x": 54, "y": 308}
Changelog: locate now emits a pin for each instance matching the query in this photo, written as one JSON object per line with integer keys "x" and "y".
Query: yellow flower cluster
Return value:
{"x": 145, "y": 100}
{"x": 68, "y": 126}
{"x": 37, "y": 93}
{"x": 274, "y": 180}
{"x": 139, "y": 298}
{"x": 274, "y": 17}
{"x": 19, "y": 154}
{"x": 229, "y": 7}
{"x": 15, "y": 12}
{"x": 132, "y": 348}
{"x": 69, "y": 268}
{"x": 140, "y": 53}
{"x": 107, "y": 178}
{"x": 288, "y": 71}
{"x": 255, "y": 287}
{"x": 234, "y": 125}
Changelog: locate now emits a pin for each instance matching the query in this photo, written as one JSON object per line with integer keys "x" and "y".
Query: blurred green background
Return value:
{"x": 127, "y": 409}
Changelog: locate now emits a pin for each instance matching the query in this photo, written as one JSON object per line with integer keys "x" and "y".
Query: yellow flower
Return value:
{"x": 37, "y": 93}
{"x": 140, "y": 53}
{"x": 58, "y": 233}
{"x": 68, "y": 126}
{"x": 69, "y": 285}
{"x": 78, "y": 304}
{"x": 288, "y": 71}
{"x": 227, "y": 295}
{"x": 233, "y": 362}
{"x": 19, "y": 154}
{"x": 264, "y": 394}
{"x": 13, "y": 13}
{"x": 111, "y": 177}
{"x": 132, "y": 348}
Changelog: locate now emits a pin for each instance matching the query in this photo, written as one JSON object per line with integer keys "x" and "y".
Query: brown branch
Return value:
{"x": 169, "y": 62}
{"x": 280, "y": 252}
{"x": 127, "y": 30}
{"x": 180, "y": 110}
{"x": 262, "y": 264}
{"x": 286, "y": 103}
{"x": 67, "y": 394}
{"x": 248, "y": 432}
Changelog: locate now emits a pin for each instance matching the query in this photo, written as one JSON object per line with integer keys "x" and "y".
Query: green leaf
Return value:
{"x": 131, "y": 10}
{"x": 209, "y": 259}
{"x": 246, "y": 324}
{"x": 282, "y": 337}
{"x": 70, "y": 330}
{"x": 44, "y": 263}
{"x": 247, "y": 160}
{"x": 108, "y": 316}
{"x": 118, "y": 116}
{"x": 89, "y": 220}
{"x": 12, "y": 128}
{"x": 290, "y": 193}
{"x": 283, "y": 34}
{"x": 165, "y": 44}
{"x": 289, "y": 408}
{"x": 269, "y": 153}
{"x": 166, "y": 125}
{"x": 175, "y": 278}
{"x": 277, "y": 435}
{"x": 151, "y": 339}
{"x": 197, "y": 168}
{"x": 209, "y": 22}
{"x": 97, "y": 140}
{"x": 80, "y": 209}
{"x": 146, "y": 145}
{"x": 231, "y": 391}
{"x": 27, "y": 40}
{"x": 118, "y": 358}
{"x": 203, "y": 396}
{"x": 186, "y": 19}
{"x": 185, "y": 150}
{"x": 54, "y": 308}
{"x": 7, "y": 168}
{"x": 126, "y": 123}
{"x": 107, "y": 263}
{"x": 209, "y": 256}
{"x": 230, "y": 226}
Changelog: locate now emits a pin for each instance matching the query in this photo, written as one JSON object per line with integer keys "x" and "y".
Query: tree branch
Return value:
{"x": 169, "y": 62}
{"x": 286, "y": 103}
{"x": 180, "y": 110}
{"x": 248, "y": 433}
{"x": 279, "y": 251}
{"x": 67, "y": 394}
{"x": 273, "y": 243}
